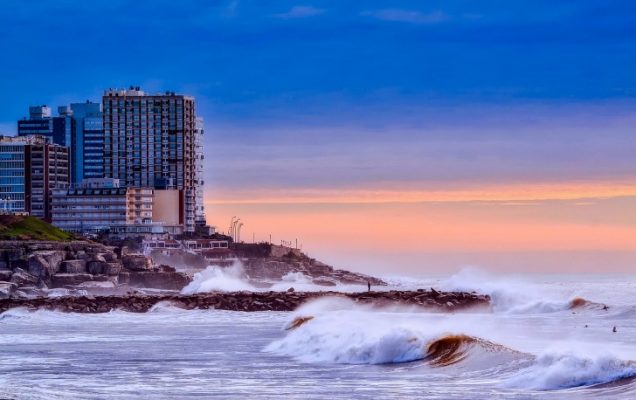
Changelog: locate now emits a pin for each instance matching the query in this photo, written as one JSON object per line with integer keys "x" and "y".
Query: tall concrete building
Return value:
{"x": 30, "y": 169}
{"x": 12, "y": 168}
{"x": 58, "y": 129}
{"x": 87, "y": 146}
{"x": 154, "y": 141}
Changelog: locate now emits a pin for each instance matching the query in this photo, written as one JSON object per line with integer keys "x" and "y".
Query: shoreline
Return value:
{"x": 247, "y": 301}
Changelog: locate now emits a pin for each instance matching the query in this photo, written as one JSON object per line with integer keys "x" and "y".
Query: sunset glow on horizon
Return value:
{"x": 437, "y": 134}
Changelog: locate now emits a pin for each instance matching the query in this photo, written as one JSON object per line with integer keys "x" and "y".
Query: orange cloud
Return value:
{"x": 511, "y": 193}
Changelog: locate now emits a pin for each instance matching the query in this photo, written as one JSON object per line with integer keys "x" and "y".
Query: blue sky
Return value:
{"x": 317, "y": 91}
{"x": 406, "y": 135}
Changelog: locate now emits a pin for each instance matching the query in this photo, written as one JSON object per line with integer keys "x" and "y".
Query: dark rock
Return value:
{"x": 7, "y": 289}
{"x": 21, "y": 277}
{"x": 123, "y": 278}
{"x": 96, "y": 267}
{"x": 73, "y": 266}
{"x": 166, "y": 268}
{"x": 112, "y": 268}
{"x": 12, "y": 254}
{"x": 96, "y": 257}
{"x": 64, "y": 280}
{"x": 44, "y": 263}
{"x": 136, "y": 262}
{"x": 5, "y": 274}
{"x": 158, "y": 280}
{"x": 109, "y": 257}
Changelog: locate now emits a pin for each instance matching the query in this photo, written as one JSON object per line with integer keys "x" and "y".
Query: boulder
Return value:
{"x": 166, "y": 268}
{"x": 13, "y": 254}
{"x": 158, "y": 280}
{"x": 19, "y": 264}
{"x": 112, "y": 268}
{"x": 64, "y": 280}
{"x": 73, "y": 266}
{"x": 21, "y": 277}
{"x": 96, "y": 257}
{"x": 7, "y": 289}
{"x": 5, "y": 274}
{"x": 39, "y": 267}
{"x": 123, "y": 278}
{"x": 44, "y": 263}
{"x": 136, "y": 262}
{"x": 96, "y": 267}
{"x": 109, "y": 257}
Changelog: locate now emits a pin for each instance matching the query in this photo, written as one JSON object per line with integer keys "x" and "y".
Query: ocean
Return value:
{"x": 545, "y": 337}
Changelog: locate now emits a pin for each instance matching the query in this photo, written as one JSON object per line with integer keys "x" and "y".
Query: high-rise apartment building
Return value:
{"x": 87, "y": 145}
{"x": 30, "y": 169}
{"x": 154, "y": 141}
{"x": 40, "y": 122}
{"x": 12, "y": 196}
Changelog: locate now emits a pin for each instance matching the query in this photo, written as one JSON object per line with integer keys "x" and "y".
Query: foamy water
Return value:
{"x": 532, "y": 344}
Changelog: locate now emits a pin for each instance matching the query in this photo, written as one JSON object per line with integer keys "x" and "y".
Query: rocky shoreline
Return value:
{"x": 247, "y": 301}
{"x": 29, "y": 268}
{"x": 35, "y": 268}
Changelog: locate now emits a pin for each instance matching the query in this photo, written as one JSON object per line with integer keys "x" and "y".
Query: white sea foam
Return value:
{"x": 214, "y": 278}
{"x": 336, "y": 330}
{"x": 351, "y": 338}
{"x": 234, "y": 278}
{"x": 508, "y": 294}
{"x": 558, "y": 370}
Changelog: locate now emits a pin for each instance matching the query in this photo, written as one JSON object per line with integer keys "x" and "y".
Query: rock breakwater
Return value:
{"x": 247, "y": 301}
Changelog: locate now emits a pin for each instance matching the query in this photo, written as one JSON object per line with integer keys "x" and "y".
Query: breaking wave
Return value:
{"x": 213, "y": 278}
{"x": 514, "y": 296}
{"x": 234, "y": 279}
{"x": 551, "y": 371}
{"x": 339, "y": 331}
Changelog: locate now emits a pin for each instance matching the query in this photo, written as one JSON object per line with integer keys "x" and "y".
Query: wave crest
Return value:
{"x": 448, "y": 350}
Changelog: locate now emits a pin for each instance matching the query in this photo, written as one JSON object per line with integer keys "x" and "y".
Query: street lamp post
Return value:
{"x": 238, "y": 232}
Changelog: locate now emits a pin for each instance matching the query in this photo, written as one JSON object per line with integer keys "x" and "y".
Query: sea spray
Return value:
{"x": 508, "y": 294}
{"x": 234, "y": 278}
{"x": 215, "y": 278}
{"x": 558, "y": 369}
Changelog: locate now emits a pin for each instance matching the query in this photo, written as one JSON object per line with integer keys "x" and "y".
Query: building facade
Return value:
{"x": 40, "y": 122}
{"x": 46, "y": 169}
{"x": 153, "y": 141}
{"x": 30, "y": 169}
{"x": 12, "y": 171}
{"x": 87, "y": 144}
{"x": 103, "y": 205}
{"x": 100, "y": 205}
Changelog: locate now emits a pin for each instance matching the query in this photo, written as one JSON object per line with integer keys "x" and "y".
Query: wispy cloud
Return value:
{"x": 529, "y": 194}
{"x": 410, "y": 16}
{"x": 300, "y": 12}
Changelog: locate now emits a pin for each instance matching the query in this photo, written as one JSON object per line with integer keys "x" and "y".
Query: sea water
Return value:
{"x": 534, "y": 342}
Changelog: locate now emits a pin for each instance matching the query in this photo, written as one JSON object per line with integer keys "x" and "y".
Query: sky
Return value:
{"x": 386, "y": 136}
